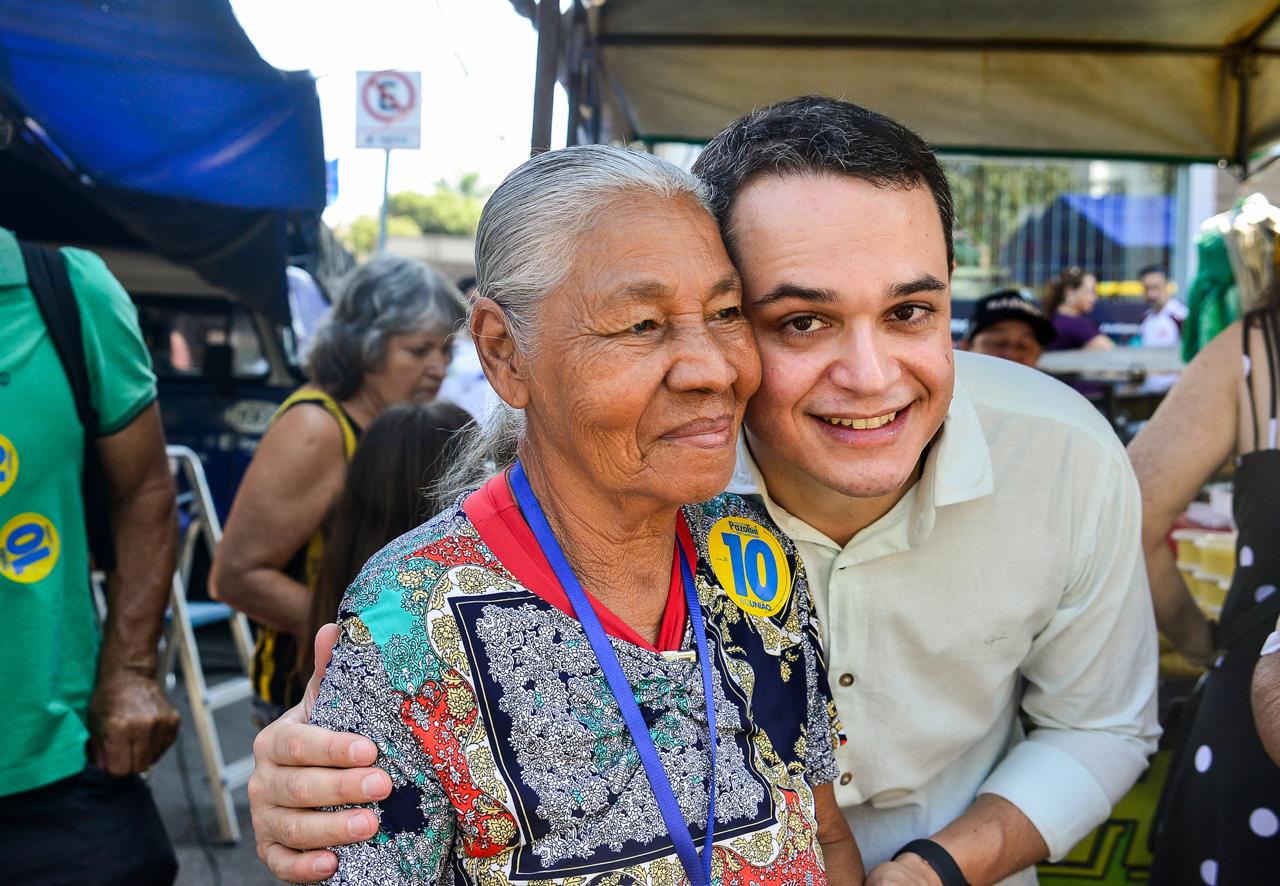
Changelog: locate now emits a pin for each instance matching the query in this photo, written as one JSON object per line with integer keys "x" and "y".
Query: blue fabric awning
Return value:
{"x": 155, "y": 125}
{"x": 162, "y": 97}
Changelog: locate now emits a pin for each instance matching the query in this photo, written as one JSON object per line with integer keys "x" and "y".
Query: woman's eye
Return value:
{"x": 803, "y": 324}
{"x": 728, "y": 313}
{"x": 644, "y": 326}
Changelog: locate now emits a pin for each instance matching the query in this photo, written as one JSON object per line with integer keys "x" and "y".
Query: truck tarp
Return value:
{"x": 155, "y": 124}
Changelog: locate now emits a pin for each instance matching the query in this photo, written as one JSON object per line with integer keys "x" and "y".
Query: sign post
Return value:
{"x": 388, "y": 116}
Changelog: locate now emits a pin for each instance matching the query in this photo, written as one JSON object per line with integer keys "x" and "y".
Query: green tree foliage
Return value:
{"x": 992, "y": 197}
{"x": 361, "y": 236}
{"x": 449, "y": 209}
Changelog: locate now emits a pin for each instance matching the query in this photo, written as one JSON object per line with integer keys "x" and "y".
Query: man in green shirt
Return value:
{"x": 84, "y": 712}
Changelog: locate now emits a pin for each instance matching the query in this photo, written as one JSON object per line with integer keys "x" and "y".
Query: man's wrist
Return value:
{"x": 937, "y": 859}
{"x": 919, "y": 867}
{"x": 115, "y": 668}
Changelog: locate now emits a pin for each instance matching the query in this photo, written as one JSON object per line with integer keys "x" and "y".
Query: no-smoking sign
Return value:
{"x": 388, "y": 109}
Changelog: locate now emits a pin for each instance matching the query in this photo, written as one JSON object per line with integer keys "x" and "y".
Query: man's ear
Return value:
{"x": 503, "y": 363}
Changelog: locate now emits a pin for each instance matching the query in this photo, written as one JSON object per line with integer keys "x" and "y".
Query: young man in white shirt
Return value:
{"x": 1162, "y": 322}
{"x": 970, "y": 529}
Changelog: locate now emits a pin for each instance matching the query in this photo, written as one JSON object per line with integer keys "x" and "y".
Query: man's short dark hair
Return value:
{"x": 1152, "y": 269}
{"x": 812, "y": 135}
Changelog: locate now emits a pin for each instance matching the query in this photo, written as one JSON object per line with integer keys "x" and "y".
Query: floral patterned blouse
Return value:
{"x": 509, "y": 758}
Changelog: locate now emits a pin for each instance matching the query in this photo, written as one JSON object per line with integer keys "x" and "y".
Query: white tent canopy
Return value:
{"x": 1162, "y": 79}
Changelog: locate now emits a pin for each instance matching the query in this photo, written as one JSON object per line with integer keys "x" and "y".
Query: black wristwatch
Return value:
{"x": 937, "y": 858}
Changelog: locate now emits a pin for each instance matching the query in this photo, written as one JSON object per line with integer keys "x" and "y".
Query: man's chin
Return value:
{"x": 868, "y": 482}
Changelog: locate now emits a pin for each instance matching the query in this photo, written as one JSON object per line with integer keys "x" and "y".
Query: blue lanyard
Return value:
{"x": 698, "y": 874}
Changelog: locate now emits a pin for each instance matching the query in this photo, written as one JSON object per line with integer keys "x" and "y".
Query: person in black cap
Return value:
{"x": 1004, "y": 324}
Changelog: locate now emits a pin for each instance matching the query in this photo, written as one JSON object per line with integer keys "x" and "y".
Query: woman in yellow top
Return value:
{"x": 387, "y": 340}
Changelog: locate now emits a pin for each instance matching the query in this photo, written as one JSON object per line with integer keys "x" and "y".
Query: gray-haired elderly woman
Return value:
{"x": 387, "y": 340}
{"x": 592, "y": 664}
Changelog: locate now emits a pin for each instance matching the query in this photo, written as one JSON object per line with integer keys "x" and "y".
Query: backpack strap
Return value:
{"x": 51, "y": 287}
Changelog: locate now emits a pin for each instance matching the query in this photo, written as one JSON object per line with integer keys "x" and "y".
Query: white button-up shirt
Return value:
{"x": 1009, "y": 578}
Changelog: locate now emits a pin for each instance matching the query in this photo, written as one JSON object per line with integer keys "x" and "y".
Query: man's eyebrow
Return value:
{"x": 793, "y": 290}
{"x": 923, "y": 283}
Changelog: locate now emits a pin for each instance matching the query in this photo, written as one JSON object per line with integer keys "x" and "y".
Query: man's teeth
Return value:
{"x": 862, "y": 424}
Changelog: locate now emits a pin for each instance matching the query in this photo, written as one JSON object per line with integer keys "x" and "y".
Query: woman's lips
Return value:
{"x": 703, "y": 433}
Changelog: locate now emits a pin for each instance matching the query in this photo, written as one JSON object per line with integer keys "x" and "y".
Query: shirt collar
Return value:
{"x": 957, "y": 469}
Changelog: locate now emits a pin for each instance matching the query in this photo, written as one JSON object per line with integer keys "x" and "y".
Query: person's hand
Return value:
{"x": 299, "y": 767}
{"x": 907, "y": 869}
{"x": 131, "y": 723}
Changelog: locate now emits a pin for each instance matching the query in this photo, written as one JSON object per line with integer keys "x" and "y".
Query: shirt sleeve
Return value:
{"x": 121, "y": 383}
{"x": 1091, "y": 676}
{"x": 416, "y": 822}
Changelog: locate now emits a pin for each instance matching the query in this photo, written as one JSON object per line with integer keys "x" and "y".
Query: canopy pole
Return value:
{"x": 1243, "y": 69}
{"x": 574, "y": 65}
{"x": 544, "y": 80}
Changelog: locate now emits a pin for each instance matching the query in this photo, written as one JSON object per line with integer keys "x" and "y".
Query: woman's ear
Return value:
{"x": 502, "y": 361}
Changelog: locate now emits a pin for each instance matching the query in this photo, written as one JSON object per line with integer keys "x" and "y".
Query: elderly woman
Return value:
{"x": 387, "y": 340}
{"x": 577, "y": 671}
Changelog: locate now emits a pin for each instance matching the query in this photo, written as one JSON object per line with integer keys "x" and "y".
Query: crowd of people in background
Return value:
{"x": 915, "y": 640}
{"x": 387, "y": 340}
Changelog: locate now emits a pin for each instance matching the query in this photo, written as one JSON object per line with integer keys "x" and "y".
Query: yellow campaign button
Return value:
{"x": 750, "y": 565}
{"x": 8, "y": 464}
{"x": 29, "y": 548}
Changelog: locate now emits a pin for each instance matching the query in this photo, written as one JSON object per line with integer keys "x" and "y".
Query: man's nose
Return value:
{"x": 865, "y": 364}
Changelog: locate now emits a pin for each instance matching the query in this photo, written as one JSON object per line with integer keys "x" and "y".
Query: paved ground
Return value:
{"x": 185, "y": 802}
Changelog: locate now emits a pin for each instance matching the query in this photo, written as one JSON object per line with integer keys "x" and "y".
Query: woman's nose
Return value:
{"x": 699, "y": 362}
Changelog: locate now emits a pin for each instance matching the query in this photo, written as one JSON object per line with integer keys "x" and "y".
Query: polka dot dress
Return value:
{"x": 1222, "y": 806}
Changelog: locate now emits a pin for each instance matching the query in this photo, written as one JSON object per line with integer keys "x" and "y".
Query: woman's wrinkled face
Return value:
{"x": 642, "y": 361}
{"x": 413, "y": 367}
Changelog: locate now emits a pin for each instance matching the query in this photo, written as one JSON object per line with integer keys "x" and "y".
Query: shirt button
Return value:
{"x": 846, "y": 778}
{"x": 847, "y": 679}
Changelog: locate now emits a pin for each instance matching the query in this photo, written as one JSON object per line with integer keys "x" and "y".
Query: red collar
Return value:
{"x": 492, "y": 510}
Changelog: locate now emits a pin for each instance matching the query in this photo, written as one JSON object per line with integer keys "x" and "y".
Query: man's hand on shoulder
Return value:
{"x": 131, "y": 723}
{"x": 299, "y": 767}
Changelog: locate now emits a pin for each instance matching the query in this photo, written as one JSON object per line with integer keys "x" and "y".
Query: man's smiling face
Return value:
{"x": 847, "y": 287}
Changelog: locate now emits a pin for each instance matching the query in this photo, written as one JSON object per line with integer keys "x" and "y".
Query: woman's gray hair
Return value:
{"x": 525, "y": 249}
{"x": 385, "y": 296}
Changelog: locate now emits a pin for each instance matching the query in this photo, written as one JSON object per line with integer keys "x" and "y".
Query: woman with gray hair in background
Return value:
{"x": 591, "y": 665}
{"x": 387, "y": 340}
